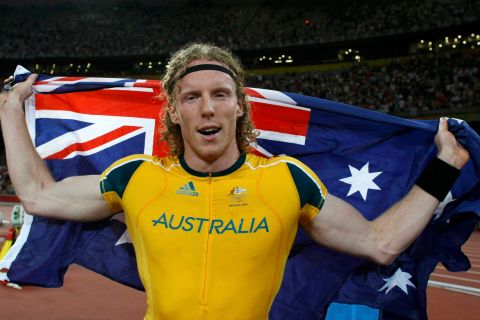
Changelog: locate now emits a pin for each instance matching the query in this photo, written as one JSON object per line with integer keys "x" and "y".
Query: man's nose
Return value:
{"x": 207, "y": 107}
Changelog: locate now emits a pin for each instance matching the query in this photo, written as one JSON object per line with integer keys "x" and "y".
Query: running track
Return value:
{"x": 456, "y": 295}
{"x": 87, "y": 295}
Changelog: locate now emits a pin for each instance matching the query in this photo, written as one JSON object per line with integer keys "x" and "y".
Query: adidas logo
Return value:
{"x": 188, "y": 190}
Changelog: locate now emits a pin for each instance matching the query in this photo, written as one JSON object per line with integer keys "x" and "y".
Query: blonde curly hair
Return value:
{"x": 245, "y": 131}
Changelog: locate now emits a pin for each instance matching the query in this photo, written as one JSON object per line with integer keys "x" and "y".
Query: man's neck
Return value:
{"x": 211, "y": 165}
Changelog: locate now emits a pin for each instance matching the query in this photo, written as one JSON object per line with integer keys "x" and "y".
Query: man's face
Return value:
{"x": 207, "y": 110}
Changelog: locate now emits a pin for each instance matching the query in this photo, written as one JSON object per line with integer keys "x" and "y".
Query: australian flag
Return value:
{"x": 369, "y": 159}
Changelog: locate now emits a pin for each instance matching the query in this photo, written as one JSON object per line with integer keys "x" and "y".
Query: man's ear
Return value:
{"x": 172, "y": 112}
{"x": 239, "y": 109}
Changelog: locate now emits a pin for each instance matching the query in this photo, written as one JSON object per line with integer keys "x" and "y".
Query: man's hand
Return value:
{"x": 3, "y": 98}
{"x": 449, "y": 150}
{"x": 7, "y": 83}
{"x": 3, "y": 94}
{"x": 19, "y": 92}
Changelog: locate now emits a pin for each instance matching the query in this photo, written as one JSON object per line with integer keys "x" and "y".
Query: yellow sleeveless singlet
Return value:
{"x": 212, "y": 246}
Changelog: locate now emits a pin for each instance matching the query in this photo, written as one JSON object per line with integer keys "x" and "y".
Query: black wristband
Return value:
{"x": 438, "y": 178}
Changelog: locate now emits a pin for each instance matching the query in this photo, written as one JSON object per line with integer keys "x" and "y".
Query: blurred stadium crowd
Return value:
{"x": 430, "y": 79}
{"x": 130, "y": 28}
{"x": 426, "y": 84}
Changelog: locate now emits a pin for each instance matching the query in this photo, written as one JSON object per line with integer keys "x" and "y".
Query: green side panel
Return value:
{"x": 308, "y": 190}
{"x": 117, "y": 179}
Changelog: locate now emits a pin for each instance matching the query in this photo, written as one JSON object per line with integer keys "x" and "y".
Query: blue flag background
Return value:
{"x": 341, "y": 136}
{"x": 369, "y": 159}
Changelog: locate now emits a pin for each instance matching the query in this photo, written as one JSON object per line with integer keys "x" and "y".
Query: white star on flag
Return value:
{"x": 399, "y": 279}
{"x": 438, "y": 212}
{"x": 125, "y": 237}
{"x": 361, "y": 181}
{"x": 459, "y": 121}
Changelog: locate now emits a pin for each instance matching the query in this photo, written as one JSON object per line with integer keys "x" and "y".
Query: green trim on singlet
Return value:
{"x": 117, "y": 179}
{"x": 308, "y": 191}
{"x": 234, "y": 167}
{"x": 105, "y": 186}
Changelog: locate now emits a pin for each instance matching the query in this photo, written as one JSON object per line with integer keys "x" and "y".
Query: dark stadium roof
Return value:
{"x": 158, "y": 2}
{"x": 150, "y": 2}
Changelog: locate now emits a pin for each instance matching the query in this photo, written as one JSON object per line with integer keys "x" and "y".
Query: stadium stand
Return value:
{"x": 133, "y": 28}
{"x": 420, "y": 84}
{"x": 405, "y": 57}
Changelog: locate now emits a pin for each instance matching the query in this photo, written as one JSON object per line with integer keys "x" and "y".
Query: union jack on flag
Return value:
{"x": 371, "y": 160}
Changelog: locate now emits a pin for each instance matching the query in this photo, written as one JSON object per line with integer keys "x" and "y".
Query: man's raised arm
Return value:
{"x": 76, "y": 198}
{"x": 342, "y": 227}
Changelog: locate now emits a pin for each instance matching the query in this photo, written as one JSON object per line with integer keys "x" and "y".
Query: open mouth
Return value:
{"x": 209, "y": 131}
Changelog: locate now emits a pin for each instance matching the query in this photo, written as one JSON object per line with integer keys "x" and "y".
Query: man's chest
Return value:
{"x": 182, "y": 212}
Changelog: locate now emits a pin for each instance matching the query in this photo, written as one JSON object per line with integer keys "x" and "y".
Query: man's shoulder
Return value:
{"x": 296, "y": 168}
{"x": 256, "y": 161}
{"x": 136, "y": 160}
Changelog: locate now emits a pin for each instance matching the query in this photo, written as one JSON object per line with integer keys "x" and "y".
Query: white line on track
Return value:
{"x": 474, "y": 259}
{"x": 455, "y": 278}
{"x": 468, "y": 271}
{"x": 470, "y": 254}
{"x": 454, "y": 287}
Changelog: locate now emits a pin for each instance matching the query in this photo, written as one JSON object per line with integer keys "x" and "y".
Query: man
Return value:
{"x": 212, "y": 224}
